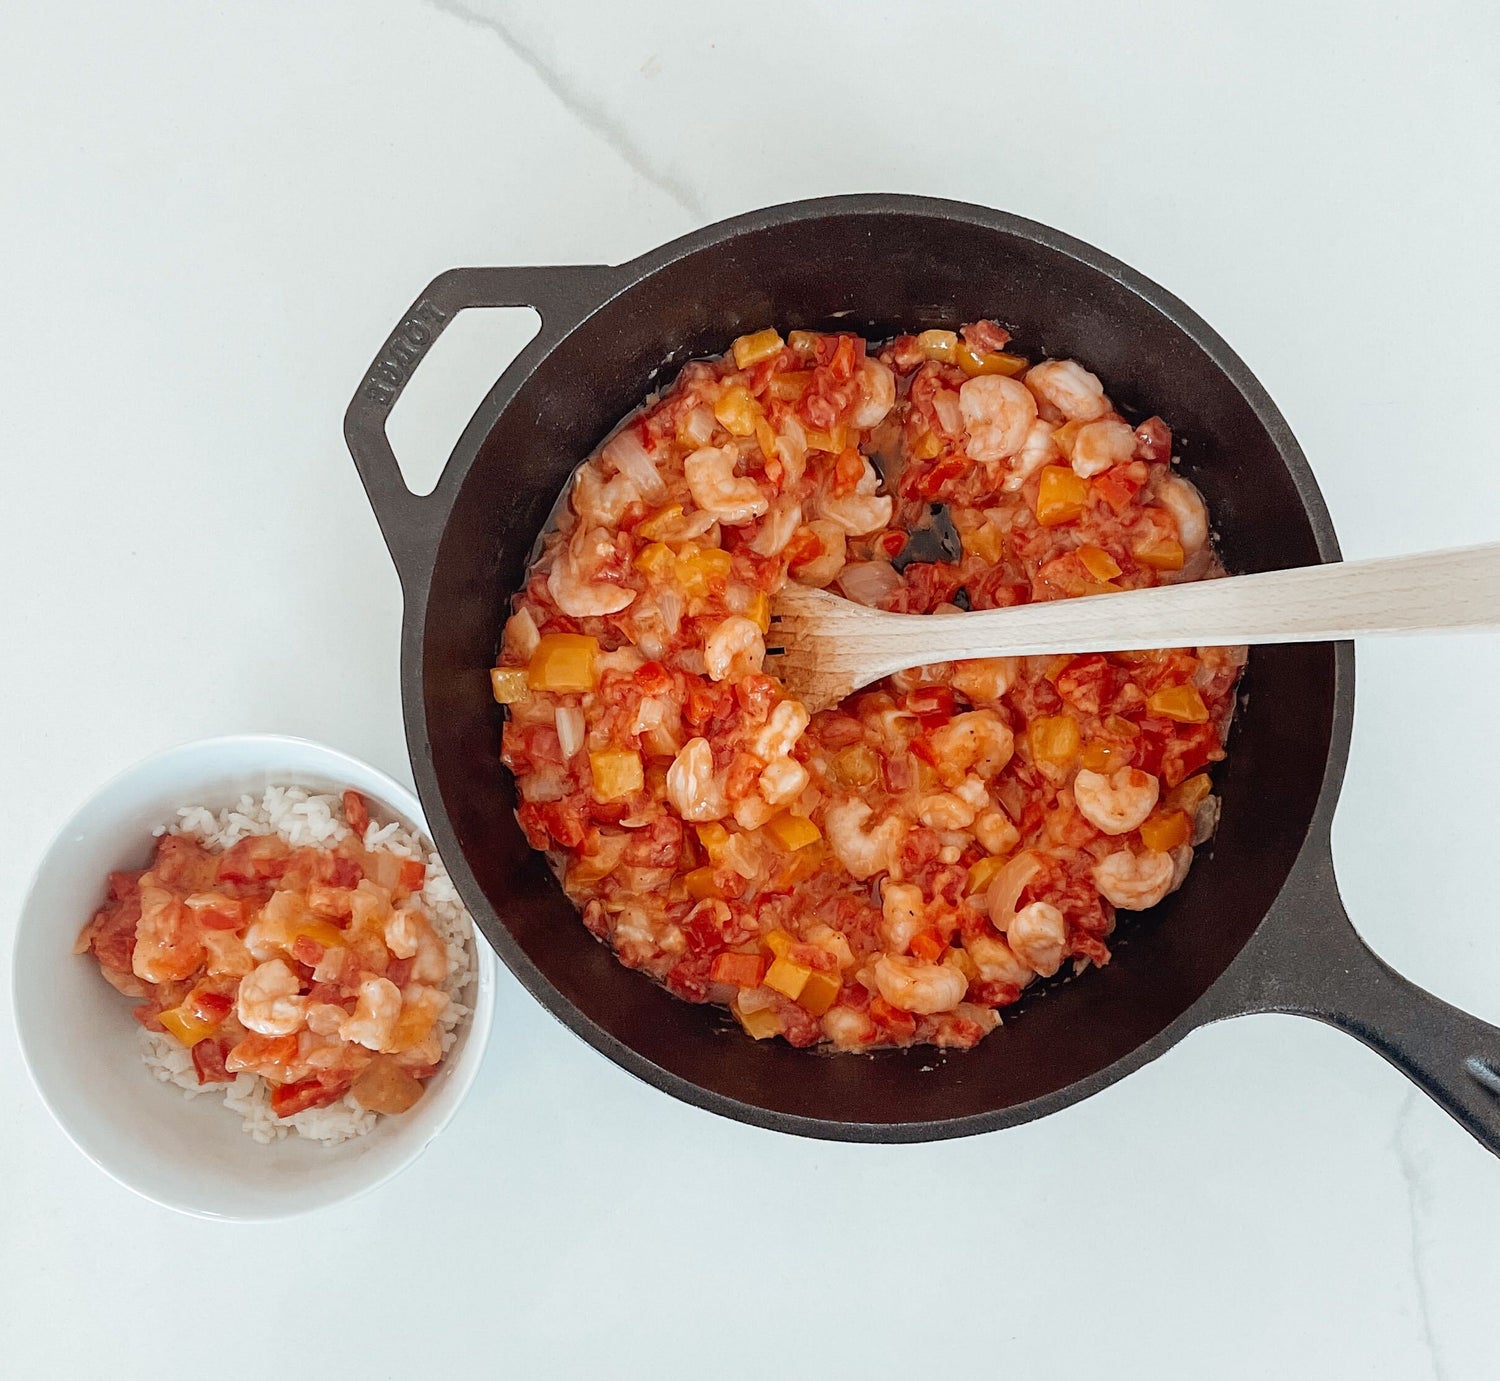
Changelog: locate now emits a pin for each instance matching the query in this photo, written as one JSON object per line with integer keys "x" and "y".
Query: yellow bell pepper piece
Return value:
{"x": 761, "y": 1025}
{"x": 832, "y": 442}
{"x": 856, "y": 765}
{"x": 563, "y": 662}
{"x": 509, "y": 685}
{"x": 927, "y": 446}
{"x": 1065, "y": 435}
{"x": 1054, "y": 739}
{"x": 986, "y": 542}
{"x": 941, "y": 346}
{"x": 617, "y": 772}
{"x": 819, "y": 991}
{"x": 803, "y": 342}
{"x": 787, "y": 978}
{"x": 656, "y": 560}
{"x": 759, "y": 611}
{"x": 696, "y": 566}
{"x": 765, "y": 436}
{"x": 1166, "y": 830}
{"x": 1189, "y": 796}
{"x": 1098, "y": 562}
{"x": 1182, "y": 703}
{"x": 792, "y": 832}
{"x": 700, "y": 884}
{"x": 754, "y": 348}
{"x": 983, "y": 873}
{"x": 660, "y": 523}
{"x": 790, "y": 384}
{"x": 778, "y": 942}
{"x": 713, "y": 837}
{"x": 1099, "y": 757}
{"x": 973, "y": 361}
{"x": 1166, "y": 555}
{"x": 1061, "y": 497}
{"x": 736, "y": 411}
{"x": 187, "y": 1027}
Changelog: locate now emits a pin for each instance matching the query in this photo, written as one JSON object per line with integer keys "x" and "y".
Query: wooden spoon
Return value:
{"x": 830, "y": 646}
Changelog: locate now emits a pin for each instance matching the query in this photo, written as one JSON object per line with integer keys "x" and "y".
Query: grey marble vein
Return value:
{"x": 593, "y": 116}
{"x": 1408, "y": 1158}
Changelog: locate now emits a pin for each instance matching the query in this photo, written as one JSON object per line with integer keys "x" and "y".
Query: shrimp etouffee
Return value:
{"x": 896, "y": 870}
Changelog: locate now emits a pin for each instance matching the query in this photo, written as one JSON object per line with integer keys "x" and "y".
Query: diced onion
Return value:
{"x": 698, "y": 426}
{"x": 776, "y": 531}
{"x": 627, "y": 453}
{"x": 1005, "y": 891}
{"x": 571, "y": 729}
{"x": 669, "y": 606}
{"x": 869, "y": 582}
{"x": 945, "y": 404}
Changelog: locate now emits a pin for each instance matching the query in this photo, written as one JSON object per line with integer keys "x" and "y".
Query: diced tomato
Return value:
{"x": 287, "y": 1100}
{"x": 257, "y": 1050}
{"x": 743, "y": 772}
{"x": 707, "y": 702}
{"x": 803, "y": 548}
{"x": 413, "y": 874}
{"x": 356, "y": 813}
{"x": 993, "y": 993}
{"x": 653, "y": 678}
{"x": 846, "y": 357}
{"x": 114, "y": 940}
{"x": 148, "y": 1014}
{"x": 937, "y": 481}
{"x": 928, "y": 944}
{"x": 742, "y": 970}
{"x": 756, "y": 694}
{"x": 399, "y": 971}
{"x": 659, "y": 845}
{"x": 1084, "y": 946}
{"x": 836, "y": 730}
{"x": 1193, "y": 747}
{"x": 933, "y": 705}
{"x": 848, "y": 470}
{"x": 901, "y": 1025}
{"x": 260, "y": 858}
{"x": 689, "y": 980}
{"x": 1119, "y": 486}
{"x": 1085, "y": 682}
{"x": 559, "y": 820}
{"x": 208, "y": 1060}
{"x": 121, "y": 885}
{"x": 343, "y": 872}
{"x": 306, "y": 950}
{"x": 1153, "y": 440}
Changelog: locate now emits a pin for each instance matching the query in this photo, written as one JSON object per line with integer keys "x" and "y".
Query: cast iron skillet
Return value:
{"x": 1259, "y": 926}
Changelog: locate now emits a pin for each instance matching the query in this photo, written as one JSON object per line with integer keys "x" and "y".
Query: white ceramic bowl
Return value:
{"x": 80, "y": 1041}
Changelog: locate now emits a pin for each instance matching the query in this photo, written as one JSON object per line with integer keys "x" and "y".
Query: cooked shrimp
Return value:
{"x": 1135, "y": 881}
{"x": 985, "y": 678}
{"x": 1037, "y": 936}
{"x": 997, "y": 961}
{"x": 1101, "y": 445}
{"x": 943, "y": 810}
{"x": 716, "y": 489}
{"x": 1183, "y": 501}
{"x": 753, "y": 811}
{"x": 998, "y": 413}
{"x": 577, "y": 581}
{"x": 1037, "y": 450}
{"x": 822, "y": 569}
{"x": 914, "y": 985}
{"x": 599, "y": 502}
{"x": 902, "y": 916}
{"x": 877, "y": 394}
{"x": 167, "y": 944}
{"x": 847, "y": 1028}
{"x": 404, "y": 929}
{"x": 1069, "y": 388}
{"x": 692, "y": 788}
{"x": 325, "y": 1018}
{"x": 995, "y": 832}
{"x": 734, "y": 649}
{"x": 978, "y": 740}
{"x": 268, "y": 1000}
{"x": 782, "y": 520}
{"x": 782, "y": 781}
{"x": 1118, "y": 803}
{"x": 376, "y": 1012}
{"x": 862, "y": 512}
{"x": 864, "y": 852}
{"x": 226, "y": 953}
{"x": 779, "y": 734}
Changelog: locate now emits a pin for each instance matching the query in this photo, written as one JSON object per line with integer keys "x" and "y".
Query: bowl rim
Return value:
{"x": 395, "y": 797}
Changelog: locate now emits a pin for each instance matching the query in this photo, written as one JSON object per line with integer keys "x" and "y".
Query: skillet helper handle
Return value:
{"x": 561, "y": 295}
{"x": 1317, "y": 966}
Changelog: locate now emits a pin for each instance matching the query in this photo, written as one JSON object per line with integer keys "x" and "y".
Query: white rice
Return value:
{"x": 303, "y": 818}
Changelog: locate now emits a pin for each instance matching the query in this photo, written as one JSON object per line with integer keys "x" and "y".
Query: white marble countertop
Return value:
{"x": 213, "y": 214}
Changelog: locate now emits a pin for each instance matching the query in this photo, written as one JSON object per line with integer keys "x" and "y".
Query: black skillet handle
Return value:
{"x": 561, "y": 295}
{"x": 1308, "y": 959}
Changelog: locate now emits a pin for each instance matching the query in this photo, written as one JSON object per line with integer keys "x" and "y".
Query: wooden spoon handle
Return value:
{"x": 1399, "y": 594}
